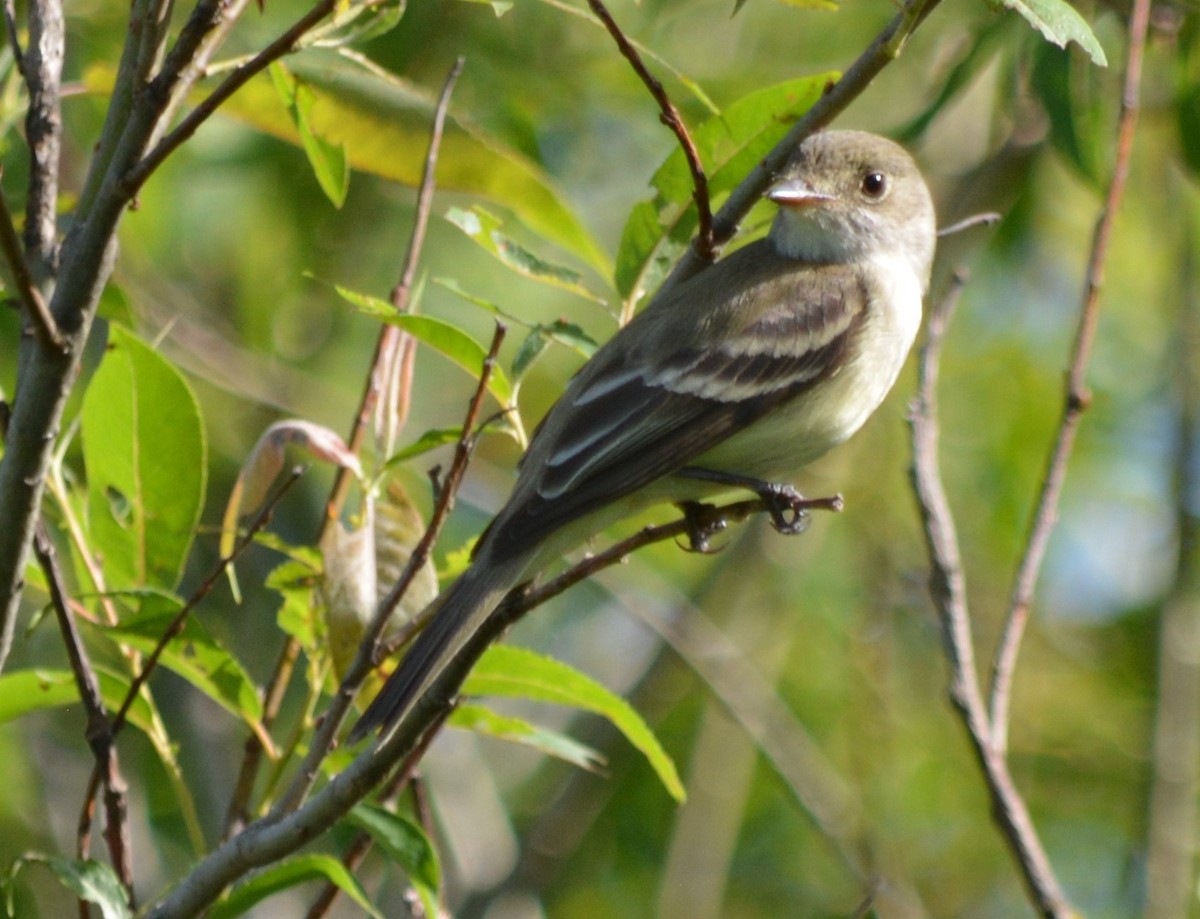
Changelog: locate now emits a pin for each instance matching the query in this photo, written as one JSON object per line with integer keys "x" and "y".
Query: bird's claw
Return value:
{"x": 786, "y": 507}
{"x": 701, "y": 527}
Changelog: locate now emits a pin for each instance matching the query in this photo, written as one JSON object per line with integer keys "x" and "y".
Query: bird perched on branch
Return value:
{"x": 735, "y": 378}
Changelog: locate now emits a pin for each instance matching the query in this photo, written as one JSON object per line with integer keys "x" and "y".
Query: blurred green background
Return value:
{"x": 226, "y": 265}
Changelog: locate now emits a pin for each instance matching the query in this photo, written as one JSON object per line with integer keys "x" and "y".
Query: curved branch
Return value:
{"x": 947, "y": 585}
{"x": 1077, "y": 394}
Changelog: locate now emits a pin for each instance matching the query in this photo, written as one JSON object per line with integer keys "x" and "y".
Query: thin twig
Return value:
{"x": 670, "y": 116}
{"x": 390, "y": 339}
{"x": 365, "y": 659}
{"x": 985, "y": 219}
{"x": 200, "y": 593}
{"x": 948, "y": 588}
{"x": 97, "y": 730}
{"x": 1077, "y": 393}
{"x": 361, "y": 844}
{"x": 283, "y": 45}
{"x": 43, "y": 323}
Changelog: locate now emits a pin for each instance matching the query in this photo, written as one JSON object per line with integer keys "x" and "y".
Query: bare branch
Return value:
{"x": 43, "y": 132}
{"x": 284, "y": 44}
{"x": 365, "y": 659}
{"x": 948, "y": 589}
{"x": 97, "y": 730}
{"x": 1077, "y": 394}
{"x": 670, "y": 116}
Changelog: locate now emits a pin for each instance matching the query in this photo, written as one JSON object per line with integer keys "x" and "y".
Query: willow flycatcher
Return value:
{"x": 742, "y": 374}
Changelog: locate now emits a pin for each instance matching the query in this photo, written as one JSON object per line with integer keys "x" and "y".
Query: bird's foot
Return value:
{"x": 702, "y": 525}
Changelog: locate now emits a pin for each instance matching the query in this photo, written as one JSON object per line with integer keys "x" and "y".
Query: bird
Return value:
{"x": 735, "y": 378}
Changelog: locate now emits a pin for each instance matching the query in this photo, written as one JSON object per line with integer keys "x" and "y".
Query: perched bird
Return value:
{"x": 736, "y": 377}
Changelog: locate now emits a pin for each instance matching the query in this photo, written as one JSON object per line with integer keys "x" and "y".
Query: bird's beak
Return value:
{"x": 797, "y": 194}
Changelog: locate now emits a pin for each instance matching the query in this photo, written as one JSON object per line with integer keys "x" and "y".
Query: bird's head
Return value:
{"x": 847, "y": 195}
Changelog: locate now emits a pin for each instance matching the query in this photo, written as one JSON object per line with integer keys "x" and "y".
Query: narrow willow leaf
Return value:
{"x": 383, "y": 122}
{"x": 295, "y": 582}
{"x": 282, "y": 875}
{"x": 194, "y": 655}
{"x": 89, "y": 880}
{"x": 146, "y": 458}
{"x": 449, "y": 340}
{"x": 354, "y": 23}
{"x": 483, "y": 720}
{"x": 1076, "y": 109}
{"x": 1059, "y": 23}
{"x": 25, "y": 691}
{"x": 499, "y": 7}
{"x": 507, "y": 671}
{"x": 328, "y": 161}
{"x": 484, "y": 228}
{"x": 407, "y": 846}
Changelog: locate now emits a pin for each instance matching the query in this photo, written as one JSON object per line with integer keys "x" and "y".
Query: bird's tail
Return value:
{"x": 462, "y": 609}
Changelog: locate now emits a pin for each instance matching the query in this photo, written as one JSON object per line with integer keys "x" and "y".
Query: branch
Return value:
{"x": 670, "y": 116}
{"x": 947, "y": 586}
{"x": 1077, "y": 394}
{"x": 365, "y": 660}
{"x": 392, "y": 346}
{"x": 97, "y": 731}
{"x": 43, "y": 132}
{"x": 284, "y": 44}
{"x": 281, "y": 832}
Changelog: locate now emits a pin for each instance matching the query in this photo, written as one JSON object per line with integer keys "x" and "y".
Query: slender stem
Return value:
{"x": 947, "y": 586}
{"x": 364, "y": 660}
{"x": 1077, "y": 394}
{"x": 97, "y": 730}
{"x": 672, "y": 119}
{"x": 284, "y": 44}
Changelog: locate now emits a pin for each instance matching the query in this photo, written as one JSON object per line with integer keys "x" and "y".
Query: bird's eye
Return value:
{"x": 874, "y": 184}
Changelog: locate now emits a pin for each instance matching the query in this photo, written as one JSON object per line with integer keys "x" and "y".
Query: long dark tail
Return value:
{"x": 462, "y": 609}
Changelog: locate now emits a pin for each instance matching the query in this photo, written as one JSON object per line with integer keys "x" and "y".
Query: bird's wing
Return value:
{"x": 637, "y": 419}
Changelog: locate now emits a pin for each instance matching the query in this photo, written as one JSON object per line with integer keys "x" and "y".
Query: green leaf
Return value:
{"x": 383, "y": 123}
{"x": 443, "y": 337}
{"x": 145, "y": 452}
{"x": 407, "y": 846}
{"x": 354, "y": 23}
{"x": 194, "y": 655}
{"x": 25, "y": 691}
{"x": 87, "y": 879}
{"x": 1059, "y": 23}
{"x": 1076, "y": 109}
{"x": 328, "y": 161}
{"x": 499, "y": 7}
{"x": 507, "y": 671}
{"x": 295, "y": 582}
{"x": 729, "y": 145}
{"x": 484, "y": 228}
{"x": 483, "y": 720}
{"x": 541, "y": 335}
{"x": 289, "y": 873}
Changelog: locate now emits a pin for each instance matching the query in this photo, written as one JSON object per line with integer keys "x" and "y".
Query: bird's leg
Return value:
{"x": 787, "y": 508}
{"x": 702, "y": 525}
